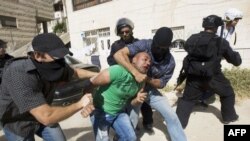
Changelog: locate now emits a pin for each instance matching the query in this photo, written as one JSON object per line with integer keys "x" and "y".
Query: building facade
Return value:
{"x": 21, "y": 20}
{"x": 92, "y": 22}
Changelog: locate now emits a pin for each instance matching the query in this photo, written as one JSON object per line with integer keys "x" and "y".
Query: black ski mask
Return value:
{"x": 51, "y": 71}
{"x": 161, "y": 42}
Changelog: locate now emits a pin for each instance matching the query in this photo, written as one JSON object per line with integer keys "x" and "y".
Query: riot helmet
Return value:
{"x": 123, "y": 22}
{"x": 212, "y": 21}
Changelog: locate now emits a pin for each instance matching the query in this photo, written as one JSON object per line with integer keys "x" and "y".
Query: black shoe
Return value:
{"x": 149, "y": 129}
{"x": 233, "y": 120}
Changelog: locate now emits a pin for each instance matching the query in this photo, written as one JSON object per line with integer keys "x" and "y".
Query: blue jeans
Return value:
{"x": 48, "y": 133}
{"x": 160, "y": 103}
{"x": 121, "y": 123}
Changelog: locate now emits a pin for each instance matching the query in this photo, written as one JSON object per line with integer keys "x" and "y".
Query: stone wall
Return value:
{"x": 25, "y": 12}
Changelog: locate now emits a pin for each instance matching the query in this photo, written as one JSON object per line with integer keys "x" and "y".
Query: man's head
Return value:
{"x": 48, "y": 47}
{"x": 161, "y": 43}
{"x": 141, "y": 62}
{"x": 3, "y": 46}
{"x": 232, "y": 16}
{"x": 212, "y": 22}
{"x": 47, "y": 52}
{"x": 124, "y": 29}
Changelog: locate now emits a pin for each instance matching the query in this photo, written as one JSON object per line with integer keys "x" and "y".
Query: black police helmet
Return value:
{"x": 123, "y": 22}
{"x": 212, "y": 21}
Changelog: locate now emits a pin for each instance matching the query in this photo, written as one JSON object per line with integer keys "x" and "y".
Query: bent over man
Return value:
{"x": 117, "y": 88}
{"x": 124, "y": 29}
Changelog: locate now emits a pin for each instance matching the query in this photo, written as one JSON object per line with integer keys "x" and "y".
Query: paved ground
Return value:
{"x": 204, "y": 124}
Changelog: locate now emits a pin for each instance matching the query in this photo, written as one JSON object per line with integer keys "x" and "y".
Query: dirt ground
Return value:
{"x": 204, "y": 124}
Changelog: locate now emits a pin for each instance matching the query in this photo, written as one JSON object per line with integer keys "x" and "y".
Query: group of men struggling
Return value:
{"x": 138, "y": 68}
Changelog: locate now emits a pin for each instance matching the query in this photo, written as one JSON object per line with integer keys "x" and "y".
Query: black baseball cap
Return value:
{"x": 51, "y": 44}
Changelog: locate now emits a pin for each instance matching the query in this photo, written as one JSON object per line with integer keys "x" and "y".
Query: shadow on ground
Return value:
{"x": 71, "y": 132}
{"x": 160, "y": 124}
{"x": 210, "y": 109}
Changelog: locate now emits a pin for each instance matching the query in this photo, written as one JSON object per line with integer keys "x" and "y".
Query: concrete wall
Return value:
{"x": 152, "y": 14}
{"x": 25, "y": 11}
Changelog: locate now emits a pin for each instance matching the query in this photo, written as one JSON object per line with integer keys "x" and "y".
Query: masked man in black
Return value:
{"x": 212, "y": 78}
{"x": 28, "y": 87}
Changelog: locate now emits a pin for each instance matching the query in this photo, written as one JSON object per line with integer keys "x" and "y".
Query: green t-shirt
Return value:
{"x": 122, "y": 89}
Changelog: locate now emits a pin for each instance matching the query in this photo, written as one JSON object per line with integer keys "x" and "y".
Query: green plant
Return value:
{"x": 60, "y": 27}
{"x": 240, "y": 80}
{"x": 168, "y": 88}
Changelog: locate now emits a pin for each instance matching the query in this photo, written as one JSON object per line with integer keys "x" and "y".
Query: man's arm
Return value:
{"x": 154, "y": 82}
{"x": 163, "y": 79}
{"x": 81, "y": 73}
{"x": 231, "y": 56}
{"x": 122, "y": 57}
{"x": 103, "y": 78}
{"x": 47, "y": 114}
{"x": 140, "y": 98}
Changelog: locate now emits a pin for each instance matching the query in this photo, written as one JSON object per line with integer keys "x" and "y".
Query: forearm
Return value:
{"x": 154, "y": 82}
{"x": 134, "y": 102}
{"x": 61, "y": 113}
{"x": 54, "y": 114}
{"x": 81, "y": 73}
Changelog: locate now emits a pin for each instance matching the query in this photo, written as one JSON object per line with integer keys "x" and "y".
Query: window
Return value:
{"x": 178, "y": 32}
{"x": 6, "y": 21}
{"x": 178, "y": 37}
{"x": 81, "y": 4}
{"x": 108, "y": 43}
{"x": 104, "y": 32}
{"x": 90, "y": 39}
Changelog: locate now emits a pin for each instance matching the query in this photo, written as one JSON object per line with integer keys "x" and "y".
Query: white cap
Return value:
{"x": 232, "y": 14}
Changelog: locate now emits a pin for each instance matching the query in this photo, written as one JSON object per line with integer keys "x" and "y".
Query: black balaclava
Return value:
{"x": 161, "y": 42}
{"x": 51, "y": 71}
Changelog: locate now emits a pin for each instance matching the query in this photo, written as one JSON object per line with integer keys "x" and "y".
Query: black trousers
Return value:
{"x": 195, "y": 87}
{"x": 147, "y": 114}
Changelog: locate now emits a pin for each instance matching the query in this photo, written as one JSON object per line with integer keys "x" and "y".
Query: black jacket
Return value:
{"x": 2, "y": 63}
{"x": 225, "y": 51}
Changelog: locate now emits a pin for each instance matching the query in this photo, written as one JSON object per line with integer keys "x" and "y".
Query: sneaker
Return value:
{"x": 149, "y": 129}
{"x": 233, "y": 120}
